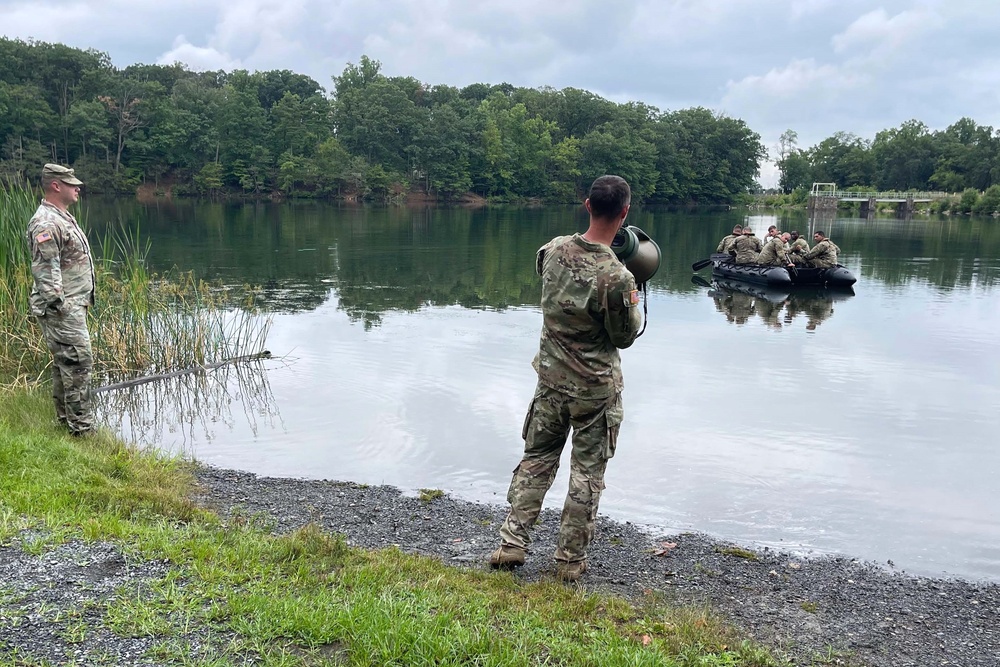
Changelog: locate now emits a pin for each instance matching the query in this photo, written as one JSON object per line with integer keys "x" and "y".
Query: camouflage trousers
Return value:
{"x": 68, "y": 340}
{"x": 595, "y": 426}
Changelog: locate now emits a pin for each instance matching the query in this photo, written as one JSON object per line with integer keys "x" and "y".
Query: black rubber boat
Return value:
{"x": 723, "y": 266}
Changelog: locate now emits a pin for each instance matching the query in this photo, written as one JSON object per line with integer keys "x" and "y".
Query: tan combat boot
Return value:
{"x": 570, "y": 572}
{"x": 507, "y": 557}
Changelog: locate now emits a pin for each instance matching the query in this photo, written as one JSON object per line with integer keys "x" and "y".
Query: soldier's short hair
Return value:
{"x": 819, "y": 234}
{"x": 609, "y": 195}
{"x": 737, "y": 228}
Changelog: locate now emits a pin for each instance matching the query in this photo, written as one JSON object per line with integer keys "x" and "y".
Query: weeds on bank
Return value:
{"x": 141, "y": 323}
{"x": 236, "y": 590}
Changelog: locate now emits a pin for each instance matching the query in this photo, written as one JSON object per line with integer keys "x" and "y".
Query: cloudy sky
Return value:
{"x": 815, "y": 66}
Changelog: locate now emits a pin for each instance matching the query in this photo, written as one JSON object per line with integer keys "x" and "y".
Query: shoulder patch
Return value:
{"x": 631, "y": 298}
{"x": 43, "y": 237}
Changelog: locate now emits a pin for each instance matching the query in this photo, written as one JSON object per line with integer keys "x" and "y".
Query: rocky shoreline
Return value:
{"x": 814, "y": 611}
{"x": 832, "y": 609}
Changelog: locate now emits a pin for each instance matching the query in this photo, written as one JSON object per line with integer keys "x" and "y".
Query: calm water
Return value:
{"x": 828, "y": 423}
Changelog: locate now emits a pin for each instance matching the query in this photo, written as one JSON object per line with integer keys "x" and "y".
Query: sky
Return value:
{"x": 813, "y": 66}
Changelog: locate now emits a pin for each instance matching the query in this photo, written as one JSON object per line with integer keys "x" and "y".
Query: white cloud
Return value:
{"x": 798, "y": 78}
{"x": 198, "y": 58}
{"x": 886, "y": 33}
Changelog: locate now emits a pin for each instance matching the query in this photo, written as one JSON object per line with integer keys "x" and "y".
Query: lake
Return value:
{"x": 862, "y": 425}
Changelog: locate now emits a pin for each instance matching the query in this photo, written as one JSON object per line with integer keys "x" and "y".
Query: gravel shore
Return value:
{"x": 813, "y": 611}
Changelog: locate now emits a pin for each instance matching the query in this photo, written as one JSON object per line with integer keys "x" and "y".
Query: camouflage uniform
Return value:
{"x": 589, "y": 306}
{"x": 63, "y": 290}
{"x": 798, "y": 250}
{"x": 823, "y": 255}
{"x": 726, "y": 243}
{"x": 773, "y": 253}
{"x": 747, "y": 248}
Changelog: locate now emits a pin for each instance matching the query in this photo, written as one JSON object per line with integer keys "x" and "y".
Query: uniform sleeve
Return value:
{"x": 722, "y": 245}
{"x": 815, "y": 252}
{"x": 622, "y": 320}
{"x": 45, "y": 244}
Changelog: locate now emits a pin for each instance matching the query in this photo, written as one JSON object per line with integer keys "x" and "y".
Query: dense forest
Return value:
{"x": 965, "y": 156}
{"x": 371, "y": 137}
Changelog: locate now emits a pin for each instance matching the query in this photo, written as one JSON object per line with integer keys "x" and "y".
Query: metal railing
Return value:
{"x": 829, "y": 190}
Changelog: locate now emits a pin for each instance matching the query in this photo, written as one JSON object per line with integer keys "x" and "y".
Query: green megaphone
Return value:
{"x": 638, "y": 252}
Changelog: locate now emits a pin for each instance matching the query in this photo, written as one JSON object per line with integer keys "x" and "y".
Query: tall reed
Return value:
{"x": 142, "y": 323}
{"x": 20, "y": 340}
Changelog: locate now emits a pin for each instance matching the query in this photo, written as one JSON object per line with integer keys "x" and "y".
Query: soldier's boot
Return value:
{"x": 570, "y": 572}
{"x": 507, "y": 557}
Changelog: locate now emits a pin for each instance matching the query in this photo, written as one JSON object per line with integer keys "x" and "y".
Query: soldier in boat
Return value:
{"x": 824, "y": 254}
{"x": 727, "y": 241}
{"x": 774, "y": 253}
{"x": 747, "y": 247}
{"x": 799, "y": 247}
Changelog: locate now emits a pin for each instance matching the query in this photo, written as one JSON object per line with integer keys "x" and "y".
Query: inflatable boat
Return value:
{"x": 723, "y": 266}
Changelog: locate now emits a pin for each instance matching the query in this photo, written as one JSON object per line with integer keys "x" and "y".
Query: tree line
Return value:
{"x": 371, "y": 136}
{"x": 965, "y": 156}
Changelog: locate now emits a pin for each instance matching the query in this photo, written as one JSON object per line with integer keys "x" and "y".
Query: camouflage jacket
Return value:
{"x": 60, "y": 261}
{"x": 747, "y": 248}
{"x": 800, "y": 246}
{"x": 773, "y": 253}
{"x": 726, "y": 243}
{"x": 823, "y": 255}
{"x": 590, "y": 310}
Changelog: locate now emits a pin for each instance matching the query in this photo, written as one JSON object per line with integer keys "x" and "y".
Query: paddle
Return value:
{"x": 701, "y": 264}
{"x": 701, "y": 282}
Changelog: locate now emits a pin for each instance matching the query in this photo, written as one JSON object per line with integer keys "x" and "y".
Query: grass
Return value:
{"x": 738, "y": 552}
{"x": 234, "y": 589}
{"x": 427, "y": 495}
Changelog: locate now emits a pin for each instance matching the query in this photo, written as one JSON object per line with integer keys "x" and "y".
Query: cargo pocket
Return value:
{"x": 527, "y": 421}
{"x": 613, "y": 415}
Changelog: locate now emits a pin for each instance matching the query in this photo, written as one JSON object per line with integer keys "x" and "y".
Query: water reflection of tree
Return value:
{"x": 376, "y": 260}
{"x": 191, "y": 405}
{"x": 776, "y": 308}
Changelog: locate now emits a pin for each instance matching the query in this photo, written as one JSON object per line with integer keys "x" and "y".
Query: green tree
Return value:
{"x": 616, "y": 148}
{"x": 989, "y": 203}
{"x": 442, "y": 152}
{"x": 209, "y": 179}
{"x": 904, "y": 157}
{"x": 968, "y": 201}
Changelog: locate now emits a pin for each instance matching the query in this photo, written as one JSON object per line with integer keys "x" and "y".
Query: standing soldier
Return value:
{"x": 747, "y": 247}
{"x": 589, "y": 309}
{"x": 727, "y": 241}
{"x": 824, "y": 254}
{"x": 63, "y": 290}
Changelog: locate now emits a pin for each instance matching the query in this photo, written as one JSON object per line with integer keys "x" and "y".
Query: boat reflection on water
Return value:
{"x": 777, "y": 308}
{"x": 176, "y": 412}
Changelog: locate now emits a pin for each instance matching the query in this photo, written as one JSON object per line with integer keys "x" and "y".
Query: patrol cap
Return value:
{"x": 57, "y": 172}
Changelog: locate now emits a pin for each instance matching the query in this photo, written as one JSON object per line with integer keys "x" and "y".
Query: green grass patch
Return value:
{"x": 427, "y": 495}
{"x": 738, "y": 552}
{"x": 306, "y": 597}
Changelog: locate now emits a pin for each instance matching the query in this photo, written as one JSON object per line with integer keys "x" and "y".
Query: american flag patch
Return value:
{"x": 43, "y": 237}
{"x": 631, "y": 298}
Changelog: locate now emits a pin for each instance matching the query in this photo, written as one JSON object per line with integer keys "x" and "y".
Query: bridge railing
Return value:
{"x": 847, "y": 194}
